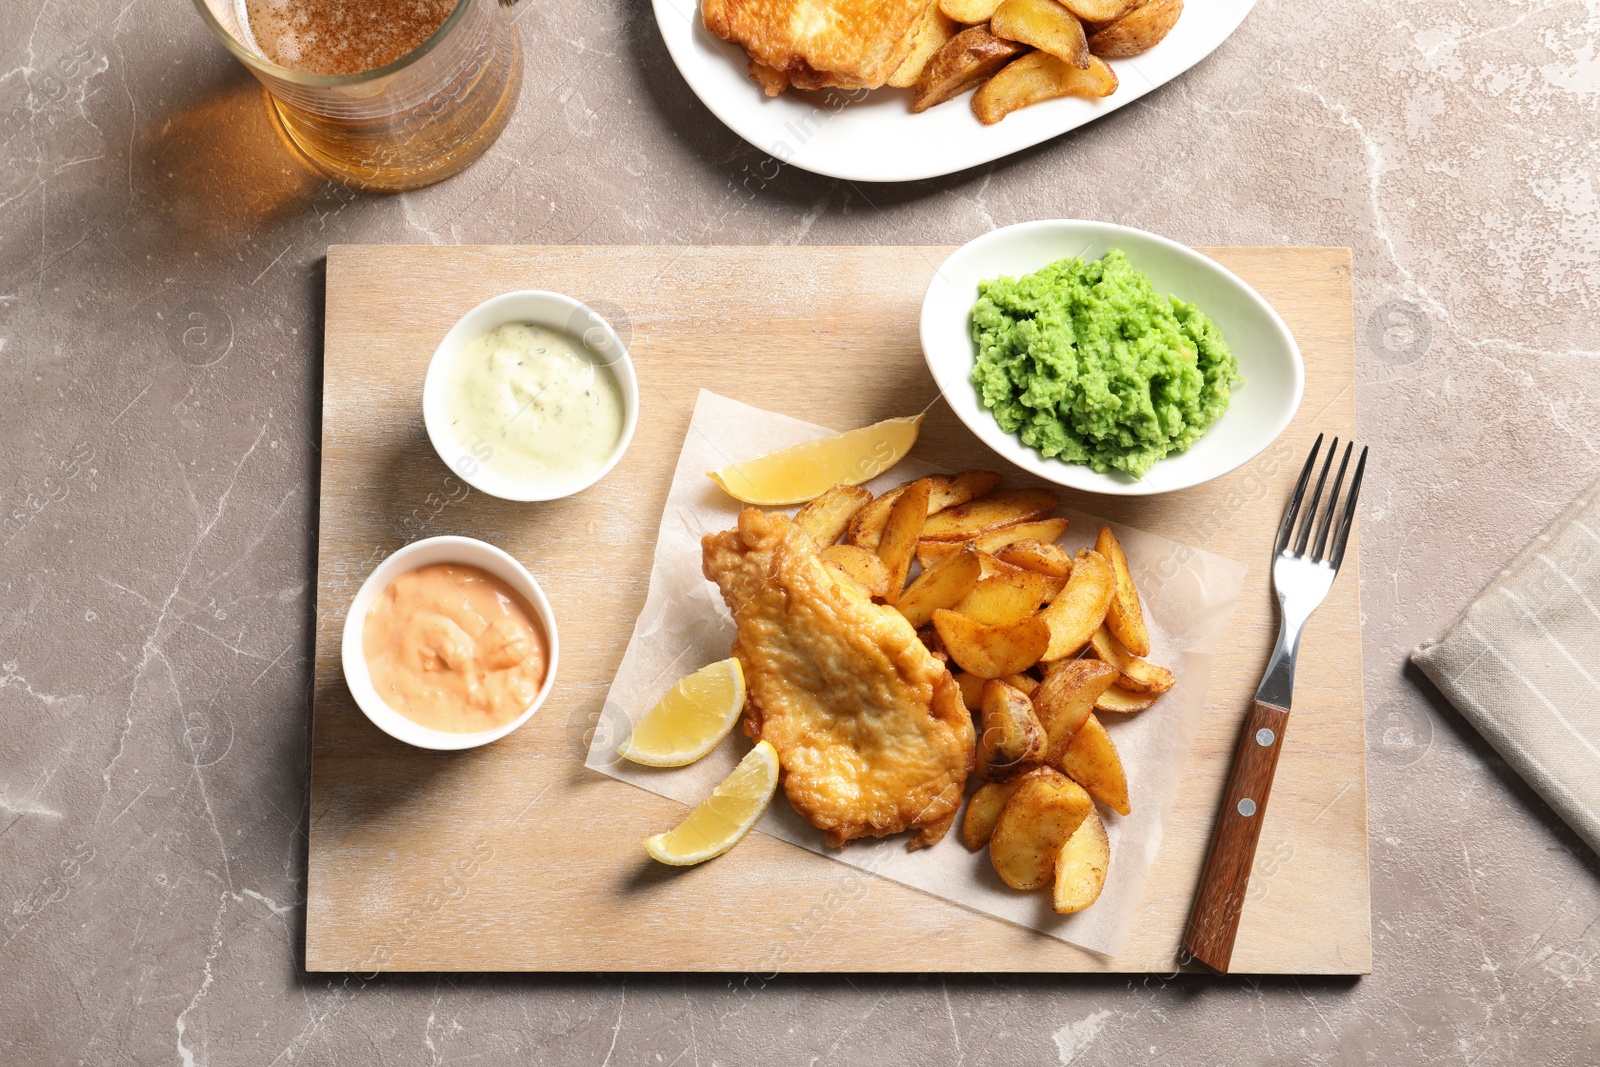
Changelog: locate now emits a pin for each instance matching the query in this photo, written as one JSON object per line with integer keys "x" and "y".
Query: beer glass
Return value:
{"x": 409, "y": 123}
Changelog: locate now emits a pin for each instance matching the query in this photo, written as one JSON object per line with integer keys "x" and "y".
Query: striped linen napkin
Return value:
{"x": 1523, "y": 665}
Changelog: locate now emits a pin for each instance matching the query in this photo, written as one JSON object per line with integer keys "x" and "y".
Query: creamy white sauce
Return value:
{"x": 532, "y": 403}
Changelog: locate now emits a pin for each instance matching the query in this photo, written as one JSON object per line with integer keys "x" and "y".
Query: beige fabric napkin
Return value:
{"x": 1523, "y": 665}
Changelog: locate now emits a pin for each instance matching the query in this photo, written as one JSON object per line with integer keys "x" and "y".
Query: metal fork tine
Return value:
{"x": 1316, "y": 498}
{"x": 1318, "y": 551}
{"x": 1349, "y": 517}
{"x": 1289, "y": 512}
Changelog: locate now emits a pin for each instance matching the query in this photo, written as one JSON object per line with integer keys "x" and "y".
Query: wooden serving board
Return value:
{"x": 515, "y": 857}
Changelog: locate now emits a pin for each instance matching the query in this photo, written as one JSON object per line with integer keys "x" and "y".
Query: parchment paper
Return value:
{"x": 1188, "y": 596}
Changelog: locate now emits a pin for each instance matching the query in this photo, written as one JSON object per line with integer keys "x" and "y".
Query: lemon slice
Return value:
{"x": 690, "y": 720}
{"x": 725, "y": 816}
{"x": 806, "y": 471}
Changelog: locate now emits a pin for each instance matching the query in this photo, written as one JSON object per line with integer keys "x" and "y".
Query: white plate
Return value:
{"x": 876, "y": 138}
{"x": 1269, "y": 359}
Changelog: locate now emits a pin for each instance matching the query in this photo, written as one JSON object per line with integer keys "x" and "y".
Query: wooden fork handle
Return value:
{"x": 1214, "y": 919}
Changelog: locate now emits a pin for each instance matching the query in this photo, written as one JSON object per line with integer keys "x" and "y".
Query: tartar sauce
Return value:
{"x": 532, "y": 403}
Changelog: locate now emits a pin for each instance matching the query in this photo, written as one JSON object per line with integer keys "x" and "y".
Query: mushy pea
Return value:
{"x": 1086, "y": 362}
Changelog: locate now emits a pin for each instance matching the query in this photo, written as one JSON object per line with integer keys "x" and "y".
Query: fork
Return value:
{"x": 1302, "y": 574}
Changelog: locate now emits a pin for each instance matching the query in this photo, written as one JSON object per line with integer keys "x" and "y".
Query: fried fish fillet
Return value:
{"x": 871, "y": 732}
{"x": 817, "y": 44}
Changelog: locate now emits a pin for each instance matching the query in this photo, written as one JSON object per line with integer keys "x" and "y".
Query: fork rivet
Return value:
{"x": 1264, "y": 737}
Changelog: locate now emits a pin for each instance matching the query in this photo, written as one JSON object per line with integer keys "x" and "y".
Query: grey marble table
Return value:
{"x": 159, "y": 338}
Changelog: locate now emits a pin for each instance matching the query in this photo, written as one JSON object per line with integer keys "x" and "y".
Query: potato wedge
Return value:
{"x": 899, "y": 543}
{"x": 1122, "y": 702}
{"x": 1047, "y": 530}
{"x": 1004, "y": 599}
{"x": 965, "y": 60}
{"x": 1066, "y": 698}
{"x": 1025, "y": 682}
{"x": 942, "y": 585}
{"x": 863, "y": 568}
{"x": 1125, "y": 619}
{"x": 1036, "y": 77}
{"x": 935, "y": 29}
{"x": 1000, "y": 508}
{"x": 983, "y": 811}
{"x": 1081, "y": 866}
{"x": 971, "y": 689}
{"x": 1032, "y": 554}
{"x": 944, "y": 491}
{"x": 1099, "y": 10}
{"x": 969, "y": 12}
{"x": 991, "y": 651}
{"x": 1011, "y": 740}
{"x": 1138, "y": 675}
{"x": 1080, "y": 608}
{"x": 1044, "y": 24}
{"x": 1138, "y": 31}
{"x": 1043, "y": 812}
{"x": 828, "y": 516}
{"x": 1091, "y": 760}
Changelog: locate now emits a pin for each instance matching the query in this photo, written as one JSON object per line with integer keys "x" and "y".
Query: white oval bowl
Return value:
{"x": 430, "y": 550}
{"x": 1269, "y": 359}
{"x": 537, "y": 308}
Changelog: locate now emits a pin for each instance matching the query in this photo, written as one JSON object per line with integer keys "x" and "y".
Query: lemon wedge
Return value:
{"x": 806, "y": 471}
{"x": 722, "y": 818}
{"x": 690, "y": 720}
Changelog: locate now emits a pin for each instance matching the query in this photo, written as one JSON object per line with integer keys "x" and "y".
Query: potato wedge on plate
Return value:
{"x": 944, "y": 491}
{"x": 1091, "y": 760}
{"x": 1005, "y": 597}
{"x": 828, "y": 516}
{"x": 1081, "y": 866}
{"x": 1098, "y": 10}
{"x": 1125, "y": 618}
{"x": 1043, "y": 812}
{"x": 1137, "y": 31}
{"x": 942, "y": 585}
{"x": 1138, "y": 675}
{"x": 1038, "y": 556}
{"x": 983, "y": 811}
{"x": 1036, "y": 77}
{"x": 863, "y": 568}
{"x": 966, "y": 59}
{"x": 1011, "y": 740}
{"x": 991, "y": 651}
{"x": 1047, "y": 530}
{"x": 900, "y": 533}
{"x": 1122, "y": 702}
{"x": 1066, "y": 698}
{"x": 935, "y": 29}
{"x": 1080, "y": 608}
{"x": 1004, "y": 507}
{"x": 1045, "y": 25}
{"x": 969, "y": 12}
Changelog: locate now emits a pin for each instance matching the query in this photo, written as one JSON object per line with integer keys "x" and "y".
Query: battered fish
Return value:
{"x": 815, "y": 44}
{"x": 871, "y": 732}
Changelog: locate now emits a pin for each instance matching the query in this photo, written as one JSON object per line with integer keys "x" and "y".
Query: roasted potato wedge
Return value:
{"x": 965, "y": 60}
{"x": 991, "y": 651}
{"x": 969, "y": 12}
{"x": 828, "y": 516}
{"x": 1080, "y": 608}
{"x": 1005, "y": 598}
{"x": 1091, "y": 760}
{"x": 983, "y": 811}
{"x": 1138, "y": 31}
{"x": 942, "y": 585}
{"x": 1066, "y": 698}
{"x": 1043, "y": 812}
{"x": 1121, "y": 701}
{"x": 1138, "y": 675}
{"x": 863, "y": 568}
{"x": 1045, "y": 25}
{"x": 899, "y": 543}
{"x": 1036, "y": 77}
{"x": 1025, "y": 682}
{"x": 1031, "y": 554}
{"x": 1047, "y": 530}
{"x": 971, "y": 689}
{"x": 944, "y": 491}
{"x": 1003, "y": 507}
{"x": 968, "y": 485}
{"x": 1125, "y": 619}
{"x": 1011, "y": 740}
{"x": 935, "y": 29}
{"x": 1081, "y": 866}
{"x": 1098, "y": 11}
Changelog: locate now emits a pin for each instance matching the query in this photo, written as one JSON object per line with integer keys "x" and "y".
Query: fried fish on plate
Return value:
{"x": 817, "y": 44}
{"x": 871, "y": 732}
